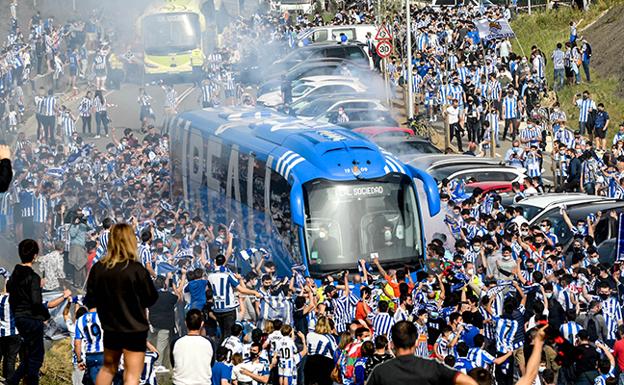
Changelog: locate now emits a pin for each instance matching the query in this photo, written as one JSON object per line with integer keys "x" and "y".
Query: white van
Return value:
{"x": 355, "y": 32}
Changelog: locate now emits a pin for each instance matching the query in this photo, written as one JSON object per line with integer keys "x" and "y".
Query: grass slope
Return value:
{"x": 547, "y": 28}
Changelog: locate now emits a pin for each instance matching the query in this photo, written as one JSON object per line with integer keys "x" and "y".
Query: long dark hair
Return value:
{"x": 99, "y": 95}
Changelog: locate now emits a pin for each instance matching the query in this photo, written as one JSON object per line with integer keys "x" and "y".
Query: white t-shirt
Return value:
{"x": 192, "y": 356}
{"x": 453, "y": 114}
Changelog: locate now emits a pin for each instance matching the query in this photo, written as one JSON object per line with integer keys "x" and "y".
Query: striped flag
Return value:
{"x": 184, "y": 253}
{"x": 248, "y": 253}
{"x": 56, "y": 172}
{"x": 620, "y": 239}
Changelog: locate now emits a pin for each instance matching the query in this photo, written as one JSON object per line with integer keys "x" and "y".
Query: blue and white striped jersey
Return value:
{"x": 612, "y": 312}
{"x": 102, "y": 247}
{"x": 382, "y": 324}
{"x": 569, "y": 330}
{"x": 510, "y": 107}
{"x": 145, "y": 255}
{"x": 27, "y": 203}
{"x": 7, "y": 321}
{"x": 480, "y": 357}
{"x": 441, "y": 347}
{"x": 223, "y": 285}
{"x": 148, "y": 376}
{"x": 89, "y": 329}
{"x": 48, "y": 106}
{"x": 286, "y": 352}
{"x": 41, "y": 209}
{"x": 344, "y": 311}
{"x": 321, "y": 344}
{"x": 584, "y": 106}
{"x": 505, "y": 331}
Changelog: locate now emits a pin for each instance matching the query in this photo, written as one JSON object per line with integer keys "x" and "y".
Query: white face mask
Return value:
{"x": 388, "y": 235}
{"x": 322, "y": 234}
{"x": 594, "y": 261}
{"x": 544, "y": 229}
{"x": 476, "y": 248}
{"x": 470, "y": 271}
{"x": 524, "y": 233}
{"x": 549, "y": 295}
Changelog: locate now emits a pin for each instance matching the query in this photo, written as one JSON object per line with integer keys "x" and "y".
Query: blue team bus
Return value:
{"x": 312, "y": 194}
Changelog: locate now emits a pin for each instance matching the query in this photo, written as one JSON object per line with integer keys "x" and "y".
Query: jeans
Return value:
{"x": 101, "y": 120}
{"x": 590, "y": 188}
{"x": 455, "y": 131}
{"x": 559, "y": 79}
{"x": 226, "y": 320}
{"x": 31, "y": 331}
{"x": 94, "y": 362}
{"x": 49, "y": 125}
{"x": 9, "y": 347}
{"x": 582, "y": 127}
{"x": 160, "y": 339}
{"x": 86, "y": 124}
{"x": 586, "y": 69}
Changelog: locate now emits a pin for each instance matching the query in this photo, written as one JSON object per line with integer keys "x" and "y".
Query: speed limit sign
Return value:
{"x": 384, "y": 49}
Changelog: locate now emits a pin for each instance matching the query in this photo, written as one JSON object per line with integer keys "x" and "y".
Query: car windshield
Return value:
{"x": 349, "y": 221}
{"x": 315, "y": 108}
{"x": 171, "y": 33}
{"x": 529, "y": 211}
{"x": 300, "y": 89}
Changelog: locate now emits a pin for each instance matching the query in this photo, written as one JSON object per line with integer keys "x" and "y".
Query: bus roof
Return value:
{"x": 175, "y": 6}
{"x": 297, "y": 149}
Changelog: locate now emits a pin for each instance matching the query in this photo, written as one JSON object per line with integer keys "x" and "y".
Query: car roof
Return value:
{"x": 330, "y": 43}
{"x": 427, "y": 161}
{"x": 328, "y": 78}
{"x": 378, "y": 130}
{"x": 550, "y": 199}
{"x": 590, "y": 207}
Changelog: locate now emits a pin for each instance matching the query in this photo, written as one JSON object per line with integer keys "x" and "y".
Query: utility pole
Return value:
{"x": 410, "y": 80}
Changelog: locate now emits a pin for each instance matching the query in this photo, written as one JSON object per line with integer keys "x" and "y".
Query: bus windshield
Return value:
{"x": 348, "y": 221}
{"x": 171, "y": 33}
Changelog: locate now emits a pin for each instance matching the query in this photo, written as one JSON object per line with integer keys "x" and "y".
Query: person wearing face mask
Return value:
{"x": 504, "y": 265}
{"x": 611, "y": 311}
{"x": 255, "y": 367}
{"x": 382, "y": 321}
{"x": 325, "y": 247}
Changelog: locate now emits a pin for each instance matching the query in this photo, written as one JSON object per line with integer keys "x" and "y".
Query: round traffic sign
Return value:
{"x": 384, "y": 49}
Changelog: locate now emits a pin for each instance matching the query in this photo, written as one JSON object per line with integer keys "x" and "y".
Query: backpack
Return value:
{"x": 591, "y": 325}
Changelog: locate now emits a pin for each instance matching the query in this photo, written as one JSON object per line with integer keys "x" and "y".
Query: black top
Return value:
{"x": 121, "y": 295}
{"x": 24, "y": 288}
{"x": 6, "y": 174}
{"x": 587, "y": 358}
{"x": 161, "y": 314}
{"x": 412, "y": 370}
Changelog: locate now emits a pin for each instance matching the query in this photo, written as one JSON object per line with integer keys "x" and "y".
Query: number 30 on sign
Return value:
{"x": 384, "y": 49}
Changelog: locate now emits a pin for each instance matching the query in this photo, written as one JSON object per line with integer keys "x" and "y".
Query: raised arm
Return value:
{"x": 533, "y": 363}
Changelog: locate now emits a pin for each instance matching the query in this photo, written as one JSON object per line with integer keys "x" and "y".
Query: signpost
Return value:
{"x": 384, "y": 49}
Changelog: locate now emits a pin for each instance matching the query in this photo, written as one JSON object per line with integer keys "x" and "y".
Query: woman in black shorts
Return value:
{"x": 121, "y": 289}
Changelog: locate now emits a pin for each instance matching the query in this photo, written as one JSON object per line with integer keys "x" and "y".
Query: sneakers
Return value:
{"x": 97, "y": 137}
{"x": 161, "y": 369}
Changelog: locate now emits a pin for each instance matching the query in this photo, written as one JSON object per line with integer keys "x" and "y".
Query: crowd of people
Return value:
{"x": 105, "y": 226}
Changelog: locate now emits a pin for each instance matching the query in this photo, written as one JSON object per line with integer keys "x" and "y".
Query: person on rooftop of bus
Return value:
{"x": 325, "y": 246}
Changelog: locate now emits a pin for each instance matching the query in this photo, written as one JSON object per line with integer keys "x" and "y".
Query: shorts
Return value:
{"x": 73, "y": 71}
{"x": 134, "y": 342}
{"x": 600, "y": 133}
{"x": 286, "y": 371}
{"x": 229, "y": 93}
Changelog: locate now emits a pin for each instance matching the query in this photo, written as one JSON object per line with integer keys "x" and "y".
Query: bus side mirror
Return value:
{"x": 431, "y": 189}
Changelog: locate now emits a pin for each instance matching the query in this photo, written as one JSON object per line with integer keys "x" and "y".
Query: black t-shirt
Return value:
{"x": 587, "y": 358}
{"x": 161, "y": 314}
{"x": 412, "y": 370}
